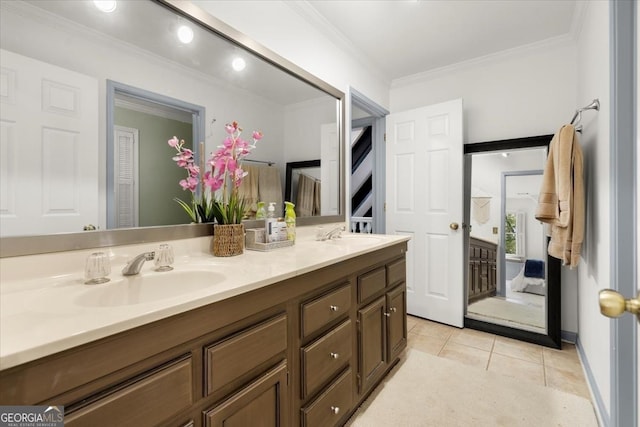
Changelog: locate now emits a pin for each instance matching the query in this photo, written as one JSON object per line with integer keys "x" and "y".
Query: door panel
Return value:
{"x": 424, "y": 196}
{"x": 49, "y": 143}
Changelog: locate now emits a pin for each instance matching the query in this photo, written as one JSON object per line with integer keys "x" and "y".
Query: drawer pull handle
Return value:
{"x": 333, "y": 307}
{"x": 334, "y": 355}
{"x": 335, "y": 410}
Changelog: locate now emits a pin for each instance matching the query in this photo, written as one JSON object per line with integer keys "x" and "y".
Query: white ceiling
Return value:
{"x": 407, "y": 37}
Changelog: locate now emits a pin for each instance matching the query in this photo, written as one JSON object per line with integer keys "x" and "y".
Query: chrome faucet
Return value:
{"x": 331, "y": 234}
{"x": 134, "y": 265}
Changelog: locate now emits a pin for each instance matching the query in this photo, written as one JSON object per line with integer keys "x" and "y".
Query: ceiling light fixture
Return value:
{"x": 185, "y": 34}
{"x": 238, "y": 64}
{"x": 505, "y": 154}
{"x": 106, "y": 6}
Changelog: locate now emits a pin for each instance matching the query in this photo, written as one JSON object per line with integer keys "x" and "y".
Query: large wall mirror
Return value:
{"x": 90, "y": 99}
{"x": 513, "y": 286}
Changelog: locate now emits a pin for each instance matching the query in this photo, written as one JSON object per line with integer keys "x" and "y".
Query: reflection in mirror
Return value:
{"x": 56, "y": 176}
{"x": 303, "y": 187}
{"x": 508, "y": 271}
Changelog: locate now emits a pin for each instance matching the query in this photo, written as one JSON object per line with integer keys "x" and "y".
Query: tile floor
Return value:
{"x": 558, "y": 369}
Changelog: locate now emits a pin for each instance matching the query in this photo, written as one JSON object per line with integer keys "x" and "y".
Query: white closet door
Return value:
{"x": 126, "y": 176}
{"x": 49, "y": 148}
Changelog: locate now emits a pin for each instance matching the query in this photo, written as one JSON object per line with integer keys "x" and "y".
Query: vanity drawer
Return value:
{"x": 371, "y": 283}
{"x": 396, "y": 271}
{"x": 325, "y": 356}
{"x": 234, "y": 357}
{"x": 146, "y": 401}
{"x": 323, "y": 310}
{"x": 331, "y": 406}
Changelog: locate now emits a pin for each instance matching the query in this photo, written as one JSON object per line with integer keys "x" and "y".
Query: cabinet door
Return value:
{"x": 396, "y": 321}
{"x": 372, "y": 343}
{"x": 262, "y": 403}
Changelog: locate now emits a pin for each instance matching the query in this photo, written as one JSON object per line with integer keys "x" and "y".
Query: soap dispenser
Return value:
{"x": 290, "y": 220}
{"x": 261, "y": 213}
{"x": 270, "y": 220}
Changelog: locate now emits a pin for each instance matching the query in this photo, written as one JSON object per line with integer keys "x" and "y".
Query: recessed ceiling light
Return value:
{"x": 106, "y": 6}
{"x": 238, "y": 64}
{"x": 185, "y": 34}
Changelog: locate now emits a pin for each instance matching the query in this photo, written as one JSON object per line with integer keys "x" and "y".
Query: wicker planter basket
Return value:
{"x": 228, "y": 240}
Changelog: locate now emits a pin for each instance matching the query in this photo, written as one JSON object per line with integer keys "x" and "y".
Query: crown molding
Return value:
{"x": 523, "y": 50}
{"x": 305, "y": 10}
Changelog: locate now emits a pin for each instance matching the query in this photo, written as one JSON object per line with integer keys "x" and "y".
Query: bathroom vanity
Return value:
{"x": 297, "y": 336}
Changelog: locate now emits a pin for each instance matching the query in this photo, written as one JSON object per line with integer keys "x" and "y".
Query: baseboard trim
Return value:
{"x": 570, "y": 337}
{"x": 604, "y": 420}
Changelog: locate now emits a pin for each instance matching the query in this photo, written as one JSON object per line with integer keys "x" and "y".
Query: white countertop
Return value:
{"x": 45, "y": 308}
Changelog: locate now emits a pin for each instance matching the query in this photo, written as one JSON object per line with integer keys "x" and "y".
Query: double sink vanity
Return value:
{"x": 296, "y": 336}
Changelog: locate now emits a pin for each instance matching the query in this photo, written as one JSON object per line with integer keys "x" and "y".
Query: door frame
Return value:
{"x": 503, "y": 214}
{"x": 378, "y": 135}
{"x": 113, "y": 88}
{"x": 624, "y": 229}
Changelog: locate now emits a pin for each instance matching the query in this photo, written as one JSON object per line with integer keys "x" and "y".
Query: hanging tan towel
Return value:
{"x": 561, "y": 200}
{"x": 249, "y": 189}
{"x": 270, "y": 187}
{"x": 481, "y": 209}
{"x": 306, "y": 195}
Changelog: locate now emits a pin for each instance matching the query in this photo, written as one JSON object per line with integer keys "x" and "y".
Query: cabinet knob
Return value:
{"x": 334, "y": 355}
{"x": 333, "y": 307}
{"x": 388, "y": 314}
{"x": 392, "y": 309}
{"x": 335, "y": 410}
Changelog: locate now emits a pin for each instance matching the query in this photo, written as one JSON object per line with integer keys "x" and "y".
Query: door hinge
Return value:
{"x": 385, "y": 206}
{"x": 287, "y": 378}
{"x": 385, "y": 137}
{"x": 359, "y": 381}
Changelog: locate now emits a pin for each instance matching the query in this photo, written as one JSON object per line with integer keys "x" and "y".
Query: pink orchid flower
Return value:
{"x": 189, "y": 184}
{"x": 173, "y": 142}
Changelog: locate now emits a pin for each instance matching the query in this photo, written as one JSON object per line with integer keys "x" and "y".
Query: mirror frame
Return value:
{"x": 60, "y": 242}
{"x": 553, "y": 309}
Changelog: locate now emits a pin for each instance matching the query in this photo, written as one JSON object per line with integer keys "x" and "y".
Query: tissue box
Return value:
{"x": 279, "y": 232}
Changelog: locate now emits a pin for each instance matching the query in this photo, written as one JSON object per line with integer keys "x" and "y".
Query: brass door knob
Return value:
{"x": 453, "y": 226}
{"x": 612, "y": 304}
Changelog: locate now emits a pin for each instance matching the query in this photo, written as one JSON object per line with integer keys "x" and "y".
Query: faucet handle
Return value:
{"x": 164, "y": 258}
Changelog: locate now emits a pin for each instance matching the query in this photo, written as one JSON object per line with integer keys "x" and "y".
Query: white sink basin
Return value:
{"x": 145, "y": 288}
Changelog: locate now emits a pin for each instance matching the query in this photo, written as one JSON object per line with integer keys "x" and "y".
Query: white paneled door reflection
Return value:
{"x": 424, "y": 197}
{"x": 49, "y": 148}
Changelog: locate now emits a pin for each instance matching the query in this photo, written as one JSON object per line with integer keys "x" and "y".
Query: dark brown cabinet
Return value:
{"x": 482, "y": 269}
{"x": 396, "y": 321}
{"x": 305, "y": 351}
{"x": 382, "y": 322}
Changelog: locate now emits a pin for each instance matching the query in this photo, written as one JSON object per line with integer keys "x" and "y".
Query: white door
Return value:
{"x": 49, "y": 148}
{"x": 329, "y": 169}
{"x": 424, "y": 201}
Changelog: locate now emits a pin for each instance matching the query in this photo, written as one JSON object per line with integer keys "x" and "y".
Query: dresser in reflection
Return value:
{"x": 482, "y": 269}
